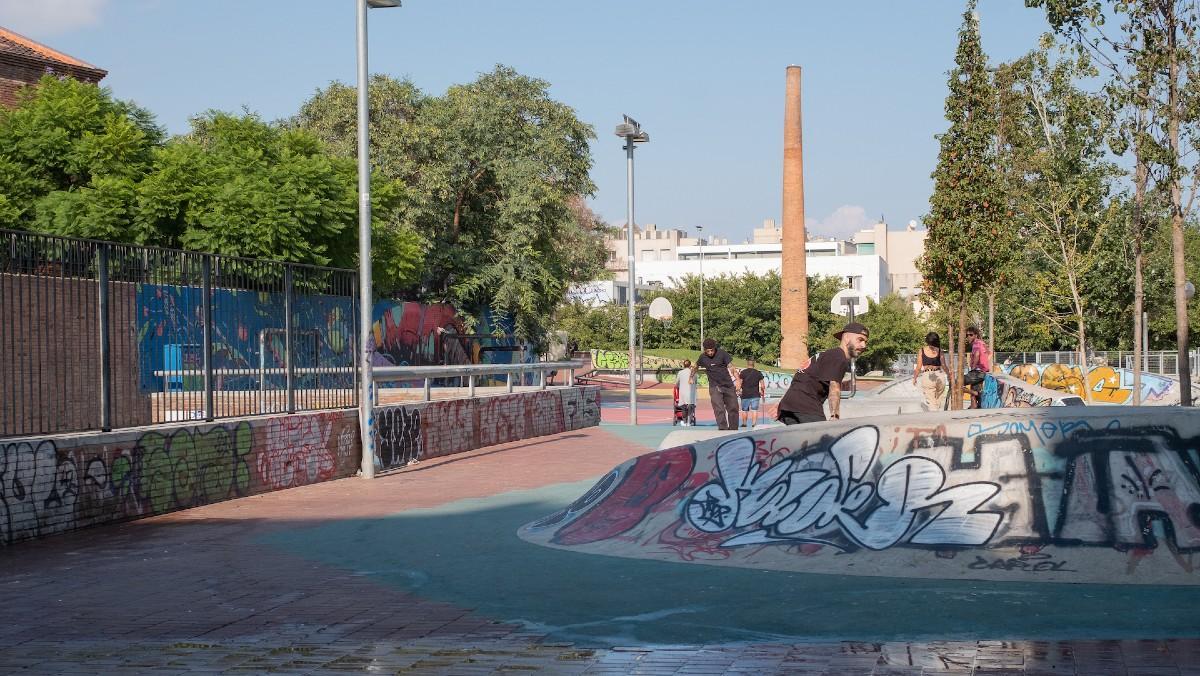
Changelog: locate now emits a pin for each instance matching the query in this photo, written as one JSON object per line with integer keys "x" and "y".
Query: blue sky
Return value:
{"x": 705, "y": 78}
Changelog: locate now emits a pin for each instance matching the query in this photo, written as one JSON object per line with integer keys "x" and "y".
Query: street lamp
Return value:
{"x": 366, "y": 393}
{"x": 700, "y": 241}
{"x": 632, "y": 132}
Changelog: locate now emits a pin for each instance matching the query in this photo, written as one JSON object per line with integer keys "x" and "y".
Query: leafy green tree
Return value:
{"x": 1059, "y": 150}
{"x": 967, "y": 205}
{"x": 236, "y": 185}
{"x": 70, "y": 150}
{"x": 895, "y": 329}
{"x": 1153, "y": 60}
{"x": 738, "y": 312}
{"x": 494, "y": 170}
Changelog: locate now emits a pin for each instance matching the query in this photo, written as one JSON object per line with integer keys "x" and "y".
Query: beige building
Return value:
{"x": 651, "y": 244}
{"x": 900, "y": 250}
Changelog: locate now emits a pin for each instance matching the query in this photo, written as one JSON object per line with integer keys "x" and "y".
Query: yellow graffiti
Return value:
{"x": 1064, "y": 378}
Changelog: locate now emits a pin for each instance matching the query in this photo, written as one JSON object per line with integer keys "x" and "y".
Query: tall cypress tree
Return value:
{"x": 966, "y": 207}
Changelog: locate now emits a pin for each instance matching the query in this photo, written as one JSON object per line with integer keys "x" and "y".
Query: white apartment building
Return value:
{"x": 875, "y": 261}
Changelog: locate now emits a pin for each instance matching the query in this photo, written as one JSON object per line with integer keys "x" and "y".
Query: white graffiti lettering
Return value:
{"x": 826, "y": 497}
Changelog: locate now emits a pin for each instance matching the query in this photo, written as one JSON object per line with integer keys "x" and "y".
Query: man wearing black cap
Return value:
{"x": 721, "y": 390}
{"x": 804, "y": 402}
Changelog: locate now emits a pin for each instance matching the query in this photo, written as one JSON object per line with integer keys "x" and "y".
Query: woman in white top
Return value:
{"x": 686, "y": 379}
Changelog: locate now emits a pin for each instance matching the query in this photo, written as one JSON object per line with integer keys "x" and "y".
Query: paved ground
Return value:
{"x": 420, "y": 571}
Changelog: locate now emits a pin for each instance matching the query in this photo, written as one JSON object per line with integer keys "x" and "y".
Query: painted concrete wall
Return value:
{"x": 55, "y": 484}
{"x": 1064, "y": 494}
{"x": 1104, "y": 384}
{"x": 415, "y": 432}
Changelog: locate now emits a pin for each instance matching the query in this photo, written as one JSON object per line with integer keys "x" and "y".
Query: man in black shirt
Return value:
{"x": 752, "y": 388}
{"x": 804, "y": 401}
{"x": 721, "y": 391}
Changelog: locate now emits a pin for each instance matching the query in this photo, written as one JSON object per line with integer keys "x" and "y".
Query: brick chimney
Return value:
{"x": 794, "y": 302}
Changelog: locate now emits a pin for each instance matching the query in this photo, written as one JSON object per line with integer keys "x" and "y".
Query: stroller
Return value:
{"x": 682, "y": 416}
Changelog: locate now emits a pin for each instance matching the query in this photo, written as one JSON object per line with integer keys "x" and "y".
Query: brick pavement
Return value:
{"x": 197, "y": 592}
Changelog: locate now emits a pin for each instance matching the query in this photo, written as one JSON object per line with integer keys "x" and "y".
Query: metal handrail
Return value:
{"x": 427, "y": 373}
{"x": 470, "y": 371}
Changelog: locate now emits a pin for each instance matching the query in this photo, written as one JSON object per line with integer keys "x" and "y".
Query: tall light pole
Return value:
{"x": 632, "y": 132}
{"x": 366, "y": 394}
{"x": 700, "y": 241}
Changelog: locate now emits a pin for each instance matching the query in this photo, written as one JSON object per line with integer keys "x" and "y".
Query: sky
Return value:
{"x": 704, "y": 78}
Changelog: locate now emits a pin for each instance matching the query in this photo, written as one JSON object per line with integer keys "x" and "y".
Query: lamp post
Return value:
{"x": 700, "y": 241}
{"x": 632, "y": 132}
{"x": 366, "y": 394}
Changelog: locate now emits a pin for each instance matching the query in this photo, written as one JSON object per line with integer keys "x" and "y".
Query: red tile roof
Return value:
{"x": 15, "y": 43}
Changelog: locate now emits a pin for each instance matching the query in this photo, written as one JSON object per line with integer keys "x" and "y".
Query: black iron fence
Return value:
{"x": 97, "y": 335}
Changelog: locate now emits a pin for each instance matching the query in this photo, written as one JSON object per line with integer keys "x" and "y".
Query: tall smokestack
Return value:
{"x": 794, "y": 302}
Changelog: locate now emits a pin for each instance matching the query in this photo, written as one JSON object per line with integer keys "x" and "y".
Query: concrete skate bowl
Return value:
{"x": 1055, "y": 494}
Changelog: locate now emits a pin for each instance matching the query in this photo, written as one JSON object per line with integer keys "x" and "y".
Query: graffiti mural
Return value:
{"x": 398, "y": 439}
{"x": 667, "y": 370}
{"x": 1068, "y": 494}
{"x": 408, "y": 434}
{"x": 170, "y": 330}
{"x": 1103, "y": 384}
{"x": 56, "y": 485}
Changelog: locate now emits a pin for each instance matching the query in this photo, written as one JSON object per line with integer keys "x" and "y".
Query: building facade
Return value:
{"x": 23, "y": 62}
{"x": 876, "y": 261}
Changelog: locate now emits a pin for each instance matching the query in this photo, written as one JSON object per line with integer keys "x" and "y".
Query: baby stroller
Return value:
{"x": 680, "y": 412}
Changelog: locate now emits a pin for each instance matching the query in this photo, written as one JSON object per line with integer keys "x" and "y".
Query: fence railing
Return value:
{"x": 97, "y": 335}
{"x": 1162, "y": 362}
{"x": 467, "y": 373}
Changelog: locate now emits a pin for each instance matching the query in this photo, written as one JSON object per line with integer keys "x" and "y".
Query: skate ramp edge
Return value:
{"x": 1058, "y": 494}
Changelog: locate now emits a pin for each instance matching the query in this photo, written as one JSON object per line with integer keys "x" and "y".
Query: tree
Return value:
{"x": 494, "y": 171}
{"x": 966, "y": 208}
{"x": 70, "y": 148}
{"x": 1153, "y": 60}
{"x": 1059, "y": 150}
{"x": 735, "y": 313}
{"x": 895, "y": 330}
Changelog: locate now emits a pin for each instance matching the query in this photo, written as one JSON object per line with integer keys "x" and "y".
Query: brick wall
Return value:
{"x": 18, "y": 71}
{"x": 55, "y": 484}
{"x": 428, "y": 430}
{"x": 50, "y": 355}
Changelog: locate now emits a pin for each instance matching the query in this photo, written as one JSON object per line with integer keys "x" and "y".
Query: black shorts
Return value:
{"x": 790, "y": 418}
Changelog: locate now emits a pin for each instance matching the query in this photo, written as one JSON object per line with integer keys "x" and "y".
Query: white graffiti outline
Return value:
{"x": 813, "y": 498}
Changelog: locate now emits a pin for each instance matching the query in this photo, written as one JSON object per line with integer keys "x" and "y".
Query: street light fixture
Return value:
{"x": 366, "y": 393}
{"x": 632, "y": 132}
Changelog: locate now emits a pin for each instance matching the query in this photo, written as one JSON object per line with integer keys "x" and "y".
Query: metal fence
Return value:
{"x": 96, "y": 335}
{"x": 1162, "y": 362}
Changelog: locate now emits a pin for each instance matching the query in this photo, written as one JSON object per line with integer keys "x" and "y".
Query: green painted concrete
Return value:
{"x": 467, "y": 553}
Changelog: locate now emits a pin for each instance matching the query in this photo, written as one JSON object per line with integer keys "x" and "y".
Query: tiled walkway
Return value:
{"x": 206, "y": 591}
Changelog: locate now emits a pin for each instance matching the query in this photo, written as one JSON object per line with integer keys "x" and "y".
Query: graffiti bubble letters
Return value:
{"x": 839, "y": 497}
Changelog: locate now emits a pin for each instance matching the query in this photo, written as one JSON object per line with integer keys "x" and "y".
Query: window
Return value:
{"x": 649, "y": 255}
{"x": 866, "y": 249}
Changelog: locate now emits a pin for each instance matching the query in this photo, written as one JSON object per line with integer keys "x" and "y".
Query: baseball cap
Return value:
{"x": 853, "y": 327}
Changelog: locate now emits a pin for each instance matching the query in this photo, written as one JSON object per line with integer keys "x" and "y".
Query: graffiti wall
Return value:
{"x": 414, "y": 432}
{"x": 667, "y": 370}
{"x": 1103, "y": 384}
{"x": 56, "y": 484}
{"x": 170, "y": 330}
{"x": 1003, "y": 391}
{"x": 1059, "y": 494}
